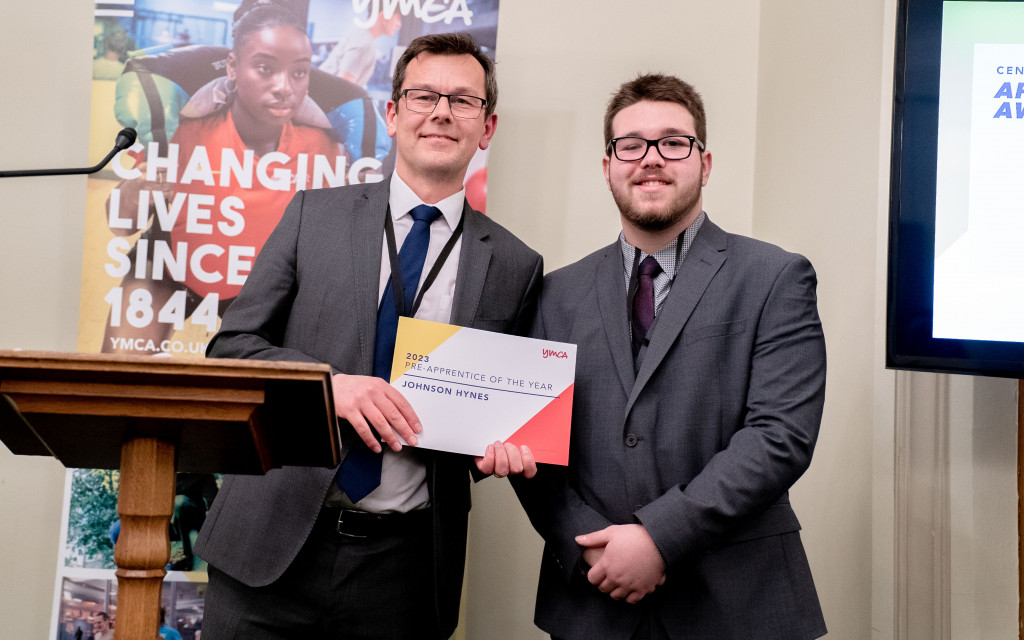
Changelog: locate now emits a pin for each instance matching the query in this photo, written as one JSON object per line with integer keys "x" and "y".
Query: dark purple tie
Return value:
{"x": 642, "y": 315}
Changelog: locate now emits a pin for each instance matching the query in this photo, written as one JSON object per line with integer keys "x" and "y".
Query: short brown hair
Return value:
{"x": 656, "y": 87}
{"x": 447, "y": 44}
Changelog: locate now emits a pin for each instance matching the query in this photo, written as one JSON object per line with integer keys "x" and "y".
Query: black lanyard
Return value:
{"x": 396, "y": 269}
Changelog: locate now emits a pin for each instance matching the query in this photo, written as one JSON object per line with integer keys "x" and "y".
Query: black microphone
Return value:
{"x": 125, "y": 138}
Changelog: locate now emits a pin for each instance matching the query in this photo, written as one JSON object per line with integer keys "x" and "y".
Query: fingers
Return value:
{"x": 502, "y": 466}
{"x": 595, "y": 539}
{"x": 403, "y": 418}
{"x": 620, "y": 592}
{"x": 515, "y": 458}
{"x": 629, "y": 567}
{"x": 383, "y": 425}
{"x": 485, "y": 463}
{"x": 503, "y": 459}
{"x": 617, "y": 591}
{"x": 592, "y": 555}
{"x": 634, "y": 597}
{"x": 364, "y": 432}
{"x": 376, "y": 410}
{"x": 529, "y": 463}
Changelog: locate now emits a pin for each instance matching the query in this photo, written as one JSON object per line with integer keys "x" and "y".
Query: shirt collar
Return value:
{"x": 666, "y": 256}
{"x": 402, "y": 200}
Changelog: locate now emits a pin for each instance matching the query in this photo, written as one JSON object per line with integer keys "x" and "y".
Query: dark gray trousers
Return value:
{"x": 337, "y": 588}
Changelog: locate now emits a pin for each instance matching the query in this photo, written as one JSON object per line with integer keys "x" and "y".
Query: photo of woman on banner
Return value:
{"x": 244, "y": 141}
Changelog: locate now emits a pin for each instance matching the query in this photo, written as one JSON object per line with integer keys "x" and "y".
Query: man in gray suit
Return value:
{"x": 698, "y": 398}
{"x": 377, "y": 548}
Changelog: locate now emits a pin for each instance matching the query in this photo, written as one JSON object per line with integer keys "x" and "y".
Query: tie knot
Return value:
{"x": 425, "y": 213}
{"x": 649, "y": 267}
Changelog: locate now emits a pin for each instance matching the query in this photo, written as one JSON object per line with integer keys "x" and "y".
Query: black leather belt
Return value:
{"x": 352, "y": 523}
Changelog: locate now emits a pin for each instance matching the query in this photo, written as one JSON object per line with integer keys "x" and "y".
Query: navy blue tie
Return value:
{"x": 360, "y": 471}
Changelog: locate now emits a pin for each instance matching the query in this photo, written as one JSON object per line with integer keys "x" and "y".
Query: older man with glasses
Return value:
{"x": 375, "y": 548}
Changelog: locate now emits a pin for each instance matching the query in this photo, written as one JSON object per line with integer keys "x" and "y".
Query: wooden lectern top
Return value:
{"x": 223, "y": 416}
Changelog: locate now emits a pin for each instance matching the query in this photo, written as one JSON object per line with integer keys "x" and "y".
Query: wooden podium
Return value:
{"x": 151, "y": 417}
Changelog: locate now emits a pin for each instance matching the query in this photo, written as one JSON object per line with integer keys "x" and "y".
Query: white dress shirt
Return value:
{"x": 403, "y": 485}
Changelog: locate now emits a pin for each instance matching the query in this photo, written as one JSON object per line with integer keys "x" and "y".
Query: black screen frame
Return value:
{"x": 911, "y": 264}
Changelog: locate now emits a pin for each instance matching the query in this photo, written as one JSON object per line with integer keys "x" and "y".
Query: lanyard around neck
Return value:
{"x": 396, "y": 269}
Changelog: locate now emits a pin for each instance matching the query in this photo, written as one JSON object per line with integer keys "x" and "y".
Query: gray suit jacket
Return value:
{"x": 312, "y": 296}
{"x": 700, "y": 446}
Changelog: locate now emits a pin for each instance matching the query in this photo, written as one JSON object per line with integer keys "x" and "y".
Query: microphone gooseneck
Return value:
{"x": 125, "y": 138}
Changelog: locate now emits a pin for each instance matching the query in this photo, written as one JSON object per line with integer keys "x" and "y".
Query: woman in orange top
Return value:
{"x": 243, "y": 150}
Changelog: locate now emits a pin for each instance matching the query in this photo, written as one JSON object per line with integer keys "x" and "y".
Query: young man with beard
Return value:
{"x": 376, "y": 548}
{"x": 698, "y": 398}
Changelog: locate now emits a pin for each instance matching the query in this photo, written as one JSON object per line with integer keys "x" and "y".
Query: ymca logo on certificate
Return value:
{"x": 472, "y": 387}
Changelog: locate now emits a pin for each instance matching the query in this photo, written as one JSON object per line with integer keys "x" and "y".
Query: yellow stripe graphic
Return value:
{"x": 416, "y": 339}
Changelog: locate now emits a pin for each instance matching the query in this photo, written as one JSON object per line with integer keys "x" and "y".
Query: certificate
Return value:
{"x": 471, "y": 388}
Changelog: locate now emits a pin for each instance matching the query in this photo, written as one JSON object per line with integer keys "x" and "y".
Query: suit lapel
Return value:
{"x": 705, "y": 258}
{"x": 366, "y": 242}
{"x": 474, "y": 259}
{"x": 611, "y": 301}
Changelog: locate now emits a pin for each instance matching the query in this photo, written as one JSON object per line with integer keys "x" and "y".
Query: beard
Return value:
{"x": 655, "y": 217}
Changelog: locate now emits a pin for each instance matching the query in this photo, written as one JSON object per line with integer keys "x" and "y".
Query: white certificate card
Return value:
{"x": 471, "y": 388}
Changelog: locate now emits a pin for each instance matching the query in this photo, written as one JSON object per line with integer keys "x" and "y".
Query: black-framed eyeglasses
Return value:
{"x": 425, "y": 101}
{"x": 674, "y": 147}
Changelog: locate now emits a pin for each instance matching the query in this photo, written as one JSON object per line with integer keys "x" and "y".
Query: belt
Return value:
{"x": 352, "y": 523}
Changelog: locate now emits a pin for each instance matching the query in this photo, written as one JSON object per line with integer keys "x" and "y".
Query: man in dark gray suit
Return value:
{"x": 375, "y": 550}
{"x": 698, "y": 398}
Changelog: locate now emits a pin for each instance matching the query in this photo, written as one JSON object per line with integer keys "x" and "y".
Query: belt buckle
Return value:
{"x": 346, "y": 534}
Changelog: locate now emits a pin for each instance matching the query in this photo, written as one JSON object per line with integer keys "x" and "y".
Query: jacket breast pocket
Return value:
{"x": 496, "y": 312}
{"x": 715, "y": 330}
{"x": 500, "y": 325}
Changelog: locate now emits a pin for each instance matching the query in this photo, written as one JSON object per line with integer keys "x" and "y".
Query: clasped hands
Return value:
{"x": 379, "y": 412}
{"x": 624, "y": 561}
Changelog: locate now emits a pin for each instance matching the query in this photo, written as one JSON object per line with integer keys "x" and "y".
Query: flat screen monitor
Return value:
{"x": 956, "y": 215}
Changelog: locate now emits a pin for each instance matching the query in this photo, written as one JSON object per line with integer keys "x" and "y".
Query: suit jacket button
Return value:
{"x": 631, "y": 440}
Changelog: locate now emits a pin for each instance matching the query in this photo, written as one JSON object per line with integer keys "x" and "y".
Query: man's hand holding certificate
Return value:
{"x": 471, "y": 388}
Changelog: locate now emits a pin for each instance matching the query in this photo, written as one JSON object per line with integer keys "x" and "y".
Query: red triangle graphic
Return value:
{"x": 547, "y": 433}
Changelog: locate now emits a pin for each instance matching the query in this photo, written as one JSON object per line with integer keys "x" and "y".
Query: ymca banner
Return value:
{"x": 237, "y": 106}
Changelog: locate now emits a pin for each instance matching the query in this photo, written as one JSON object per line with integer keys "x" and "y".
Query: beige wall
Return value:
{"x": 815, "y": 186}
{"x": 797, "y": 94}
{"x": 44, "y": 122}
